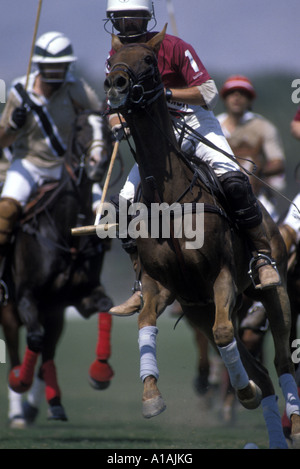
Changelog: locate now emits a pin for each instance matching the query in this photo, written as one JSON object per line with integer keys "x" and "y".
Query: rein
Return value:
{"x": 141, "y": 95}
{"x": 44, "y": 208}
{"x": 144, "y": 100}
{"x": 136, "y": 81}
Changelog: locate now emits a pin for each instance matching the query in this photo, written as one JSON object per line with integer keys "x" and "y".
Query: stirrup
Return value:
{"x": 3, "y": 293}
{"x": 253, "y": 268}
{"x": 137, "y": 286}
{"x": 135, "y": 308}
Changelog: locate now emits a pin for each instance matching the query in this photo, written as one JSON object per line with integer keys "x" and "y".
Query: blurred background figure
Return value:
{"x": 253, "y": 138}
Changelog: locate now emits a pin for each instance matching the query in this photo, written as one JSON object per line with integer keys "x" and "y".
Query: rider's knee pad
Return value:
{"x": 10, "y": 210}
{"x": 239, "y": 193}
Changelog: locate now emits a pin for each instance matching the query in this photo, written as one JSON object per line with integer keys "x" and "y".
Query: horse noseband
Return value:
{"x": 137, "y": 93}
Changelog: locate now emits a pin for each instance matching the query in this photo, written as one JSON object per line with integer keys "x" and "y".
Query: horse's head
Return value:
{"x": 134, "y": 79}
{"x": 91, "y": 145}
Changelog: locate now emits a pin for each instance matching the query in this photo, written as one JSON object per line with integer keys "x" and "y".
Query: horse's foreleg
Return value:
{"x": 155, "y": 300}
{"x": 100, "y": 372}
{"x": 203, "y": 368}
{"x": 21, "y": 377}
{"x": 153, "y": 403}
{"x": 225, "y": 297}
{"x": 52, "y": 391}
{"x": 35, "y": 396}
{"x": 11, "y": 325}
{"x": 53, "y": 327}
{"x": 277, "y": 307}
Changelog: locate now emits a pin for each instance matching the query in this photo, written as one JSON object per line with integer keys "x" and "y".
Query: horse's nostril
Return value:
{"x": 107, "y": 83}
{"x": 121, "y": 82}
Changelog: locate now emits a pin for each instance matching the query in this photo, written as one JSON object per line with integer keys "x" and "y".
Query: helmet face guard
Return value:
{"x": 127, "y": 28}
{"x": 52, "y": 72}
{"x": 129, "y": 19}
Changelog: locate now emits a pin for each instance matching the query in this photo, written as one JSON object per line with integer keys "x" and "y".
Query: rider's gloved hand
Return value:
{"x": 18, "y": 118}
{"x": 121, "y": 131}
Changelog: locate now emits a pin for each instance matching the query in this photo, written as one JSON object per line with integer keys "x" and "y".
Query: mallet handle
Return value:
{"x": 91, "y": 229}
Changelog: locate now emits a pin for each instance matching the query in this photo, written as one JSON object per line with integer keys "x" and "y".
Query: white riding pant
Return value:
{"x": 293, "y": 216}
{"x": 23, "y": 178}
{"x": 207, "y": 125}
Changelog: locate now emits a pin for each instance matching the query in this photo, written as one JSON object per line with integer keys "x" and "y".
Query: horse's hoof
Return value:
{"x": 30, "y": 412}
{"x": 153, "y": 407}
{"x": 14, "y": 381}
{"x": 253, "y": 400}
{"x": 201, "y": 384}
{"x": 57, "y": 412}
{"x": 98, "y": 385}
{"x": 100, "y": 375}
{"x": 17, "y": 422}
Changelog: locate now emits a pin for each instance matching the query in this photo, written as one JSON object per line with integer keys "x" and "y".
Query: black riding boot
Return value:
{"x": 248, "y": 217}
{"x": 134, "y": 303}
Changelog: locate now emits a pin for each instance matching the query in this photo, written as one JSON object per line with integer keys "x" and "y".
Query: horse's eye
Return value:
{"x": 148, "y": 59}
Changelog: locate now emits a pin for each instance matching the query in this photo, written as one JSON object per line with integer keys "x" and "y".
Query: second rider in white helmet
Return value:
{"x": 36, "y": 156}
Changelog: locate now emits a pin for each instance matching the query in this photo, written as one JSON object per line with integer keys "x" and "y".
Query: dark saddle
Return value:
{"x": 43, "y": 198}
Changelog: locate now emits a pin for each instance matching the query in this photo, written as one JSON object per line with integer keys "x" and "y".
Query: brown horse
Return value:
{"x": 207, "y": 281}
{"x": 48, "y": 270}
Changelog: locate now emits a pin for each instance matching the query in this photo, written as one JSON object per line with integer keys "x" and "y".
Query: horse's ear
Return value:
{"x": 116, "y": 43}
{"x": 156, "y": 41}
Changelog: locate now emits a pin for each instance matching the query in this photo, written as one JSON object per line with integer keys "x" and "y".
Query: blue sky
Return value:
{"x": 230, "y": 36}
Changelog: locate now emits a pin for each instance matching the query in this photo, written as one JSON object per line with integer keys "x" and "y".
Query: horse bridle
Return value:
{"x": 83, "y": 152}
{"x": 140, "y": 93}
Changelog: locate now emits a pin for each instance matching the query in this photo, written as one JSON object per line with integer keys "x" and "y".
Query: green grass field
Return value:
{"x": 111, "y": 419}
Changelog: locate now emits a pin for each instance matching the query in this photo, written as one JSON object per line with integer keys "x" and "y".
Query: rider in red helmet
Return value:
{"x": 253, "y": 138}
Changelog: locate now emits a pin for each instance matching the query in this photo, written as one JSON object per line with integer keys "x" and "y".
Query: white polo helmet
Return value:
{"x": 129, "y": 5}
{"x": 145, "y": 7}
{"x": 53, "y": 47}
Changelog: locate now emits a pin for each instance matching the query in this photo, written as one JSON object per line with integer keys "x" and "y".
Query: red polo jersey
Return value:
{"x": 178, "y": 63}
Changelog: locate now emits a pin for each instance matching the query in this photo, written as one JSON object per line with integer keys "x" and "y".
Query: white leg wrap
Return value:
{"x": 232, "y": 360}
{"x": 14, "y": 404}
{"x": 273, "y": 422}
{"x": 289, "y": 389}
{"x": 147, "y": 346}
{"x": 36, "y": 393}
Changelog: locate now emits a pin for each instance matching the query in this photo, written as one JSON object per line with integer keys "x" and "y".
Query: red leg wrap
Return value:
{"x": 103, "y": 348}
{"x": 28, "y": 366}
{"x": 21, "y": 377}
{"x": 49, "y": 375}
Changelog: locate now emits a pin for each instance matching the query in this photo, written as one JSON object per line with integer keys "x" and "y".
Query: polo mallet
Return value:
{"x": 33, "y": 42}
{"x": 171, "y": 12}
{"x": 92, "y": 229}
